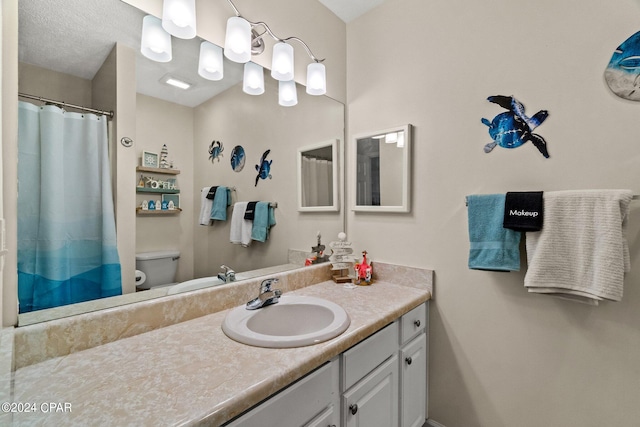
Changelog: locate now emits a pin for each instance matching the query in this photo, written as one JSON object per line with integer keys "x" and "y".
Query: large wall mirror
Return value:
{"x": 318, "y": 167}
{"x": 221, "y": 111}
{"x": 381, "y": 170}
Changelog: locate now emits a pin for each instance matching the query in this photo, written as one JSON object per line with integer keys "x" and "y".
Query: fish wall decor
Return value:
{"x": 513, "y": 128}
{"x": 623, "y": 71}
{"x": 237, "y": 158}
{"x": 215, "y": 150}
{"x": 264, "y": 167}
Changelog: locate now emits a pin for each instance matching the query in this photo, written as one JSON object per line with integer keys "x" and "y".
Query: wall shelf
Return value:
{"x": 156, "y": 190}
{"x": 167, "y": 171}
{"x": 140, "y": 211}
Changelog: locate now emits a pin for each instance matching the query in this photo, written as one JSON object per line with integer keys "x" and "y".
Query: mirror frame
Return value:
{"x": 406, "y": 172}
{"x": 335, "y": 206}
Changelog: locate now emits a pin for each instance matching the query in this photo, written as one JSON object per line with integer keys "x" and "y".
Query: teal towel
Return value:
{"x": 491, "y": 246}
{"x": 221, "y": 201}
{"x": 264, "y": 218}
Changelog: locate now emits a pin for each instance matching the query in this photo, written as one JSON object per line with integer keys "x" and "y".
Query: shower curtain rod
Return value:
{"x": 109, "y": 114}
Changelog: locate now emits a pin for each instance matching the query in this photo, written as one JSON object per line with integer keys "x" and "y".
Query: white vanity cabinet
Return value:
{"x": 413, "y": 367}
{"x": 310, "y": 402}
{"x": 369, "y": 380}
{"x": 379, "y": 382}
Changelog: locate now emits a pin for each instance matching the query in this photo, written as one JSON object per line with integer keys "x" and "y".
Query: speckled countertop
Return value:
{"x": 190, "y": 373}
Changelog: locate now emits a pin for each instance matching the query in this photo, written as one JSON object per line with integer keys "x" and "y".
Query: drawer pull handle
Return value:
{"x": 417, "y": 323}
{"x": 353, "y": 408}
{"x": 408, "y": 360}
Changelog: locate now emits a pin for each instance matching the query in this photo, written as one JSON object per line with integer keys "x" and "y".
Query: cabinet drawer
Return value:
{"x": 295, "y": 405}
{"x": 362, "y": 358}
{"x": 413, "y": 323}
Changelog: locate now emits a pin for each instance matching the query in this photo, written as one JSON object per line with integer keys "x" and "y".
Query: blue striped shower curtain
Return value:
{"x": 66, "y": 226}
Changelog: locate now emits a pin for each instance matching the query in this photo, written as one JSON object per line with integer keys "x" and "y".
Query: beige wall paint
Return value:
{"x": 501, "y": 356}
{"x": 50, "y": 84}
{"x": 161, "y": 122}
{"x": 258, "y": 123}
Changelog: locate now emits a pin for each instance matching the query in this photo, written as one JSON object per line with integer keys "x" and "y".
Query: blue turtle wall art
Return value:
{"x": 513, "y": 128}
{"x": 623, "y": 71}
{"x": 264, "y": 168}
{"x": 215, "y": 150}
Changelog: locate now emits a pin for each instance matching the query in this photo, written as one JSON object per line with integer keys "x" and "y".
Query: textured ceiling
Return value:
{"x": 75, "y": 36}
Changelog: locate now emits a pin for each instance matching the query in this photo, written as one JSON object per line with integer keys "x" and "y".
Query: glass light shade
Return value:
{"x": 155, "y": 43}
{"x": 391, "y": 138}
{"x": 253, "y": 80}
{"x": 237, "y": 42}
{"x": 210, "y": 64}
{"x": 179, "y": 18}
{"x": 316, "y": 79}
{"x": 287, "y": 93}
{"x": 282, "y": 62}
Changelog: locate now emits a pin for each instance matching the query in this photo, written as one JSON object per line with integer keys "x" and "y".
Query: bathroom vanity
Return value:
{"x": 381, "y": 381}
{"x": 191, "y": 373}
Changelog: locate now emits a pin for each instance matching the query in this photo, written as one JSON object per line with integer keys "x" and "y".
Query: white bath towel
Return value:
{"x": 581, "y": 253}
{"x": 205, "y": 207}
{"x": 240, "y": 228}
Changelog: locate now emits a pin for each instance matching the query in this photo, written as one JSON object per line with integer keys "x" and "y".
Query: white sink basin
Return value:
{"x": 295, "y": 321}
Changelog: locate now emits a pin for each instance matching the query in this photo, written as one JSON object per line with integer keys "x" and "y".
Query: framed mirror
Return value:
{"x": 318, "y": 177}
{"x": 381, "y": 170}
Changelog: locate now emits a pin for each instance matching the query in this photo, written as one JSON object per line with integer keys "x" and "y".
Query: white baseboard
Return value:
{"x": 432, "y": 423}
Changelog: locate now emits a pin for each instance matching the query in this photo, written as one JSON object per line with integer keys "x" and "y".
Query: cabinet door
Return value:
{"x": 373, "y": 402}
{"x": 328, "y": 418}
{"x": 413, "y": 382}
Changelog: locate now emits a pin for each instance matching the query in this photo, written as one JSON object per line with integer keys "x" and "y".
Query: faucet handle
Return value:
{"x": 265, "y": 286}
{"x": 225, "y": 268}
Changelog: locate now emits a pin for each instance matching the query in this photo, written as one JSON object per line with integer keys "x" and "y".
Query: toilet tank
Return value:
{"x": 160, "y": 267}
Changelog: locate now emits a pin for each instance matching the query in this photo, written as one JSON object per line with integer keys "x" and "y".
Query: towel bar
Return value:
{"x": 635, "y": 197}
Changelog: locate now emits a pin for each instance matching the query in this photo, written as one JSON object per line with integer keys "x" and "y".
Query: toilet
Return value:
{"x": 156, "y": 269}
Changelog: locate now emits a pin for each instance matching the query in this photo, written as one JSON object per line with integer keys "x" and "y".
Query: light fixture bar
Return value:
{"x": 272, "y": 34}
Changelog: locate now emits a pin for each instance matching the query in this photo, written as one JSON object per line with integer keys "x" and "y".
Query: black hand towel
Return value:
{"x": 212, "y": 192}
{"x": 250, "y": 212}
{"x": 523, "y": 211}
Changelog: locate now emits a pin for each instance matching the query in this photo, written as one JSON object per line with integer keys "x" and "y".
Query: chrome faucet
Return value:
{"x": 228, "y": 275}
{"x": 267, "y": 295}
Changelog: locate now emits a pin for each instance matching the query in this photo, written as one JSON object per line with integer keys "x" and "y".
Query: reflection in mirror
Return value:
{"x": 382, "y": 170}
{"x": 93, "y": 27}
{"x": 318, "y": 177}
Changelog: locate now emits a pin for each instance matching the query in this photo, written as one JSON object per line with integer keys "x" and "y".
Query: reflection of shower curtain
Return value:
{"x": 66, "y": 226}
{"x": 317, "y": 179}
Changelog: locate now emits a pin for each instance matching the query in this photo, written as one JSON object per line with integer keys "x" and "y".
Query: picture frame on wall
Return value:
{"x": 175, "y": 198}
{"x": 150, "y": 160}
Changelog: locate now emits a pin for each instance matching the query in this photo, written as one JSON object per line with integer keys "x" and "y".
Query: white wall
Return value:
{"x": 501, "y": 356}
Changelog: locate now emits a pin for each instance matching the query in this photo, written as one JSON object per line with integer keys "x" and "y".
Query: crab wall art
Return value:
{"x": 215, "y": 150}
{"x": 513, "y": 128}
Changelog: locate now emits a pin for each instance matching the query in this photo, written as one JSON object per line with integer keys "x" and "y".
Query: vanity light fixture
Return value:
{"x": 179, "y": 18}
{"x": 210, "y": 65}
{"x": 287, "y": 93}
{"x": 242, "y": 37}
{"x": 241, "y": 41}
{"x": 253, "y": 79}
{"x": 155, "y": 42}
